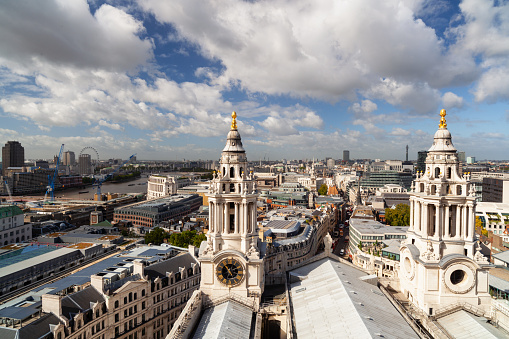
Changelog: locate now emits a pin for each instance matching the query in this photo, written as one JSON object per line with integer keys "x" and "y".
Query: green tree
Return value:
{"x": 198, "y": 239}
{"x": 186, "y": 238}
{"x": 156, "y": 236}
{"x": 399, "y": 216}
{"x": 323, "y": 190}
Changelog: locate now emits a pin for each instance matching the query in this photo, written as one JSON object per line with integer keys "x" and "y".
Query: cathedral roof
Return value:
{"x": 233, "y": 140}
{"x": 442, "y": 140}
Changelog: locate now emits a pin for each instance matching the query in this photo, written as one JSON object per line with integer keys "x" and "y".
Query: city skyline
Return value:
{"x": 307, "y": 79}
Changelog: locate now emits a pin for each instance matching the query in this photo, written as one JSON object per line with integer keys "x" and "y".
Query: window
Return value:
{"x": 117, "y": 317}
{"x": 143, "y": 305}
{"x": 125, "y": 300}
{"x": 130, "y": 296}
{"x": 135, "y": 296}
{"x": 143, "y": 293}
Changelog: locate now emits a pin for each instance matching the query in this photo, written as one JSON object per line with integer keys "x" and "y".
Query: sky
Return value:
{"x": 307, "y": 78}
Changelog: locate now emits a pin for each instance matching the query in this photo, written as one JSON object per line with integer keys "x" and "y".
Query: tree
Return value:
{"x": 399, "y": 216}
{"x": 198, "y": 239}
{"x": 156, "y": 236}
{"x": 323, "y": 190}
{"x": 187, "y": 238}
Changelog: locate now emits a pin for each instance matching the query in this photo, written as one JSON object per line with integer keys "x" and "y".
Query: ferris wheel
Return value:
{"x": 90, "y": 150}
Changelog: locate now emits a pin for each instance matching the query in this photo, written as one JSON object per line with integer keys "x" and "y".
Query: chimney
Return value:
{"x": 138, "y": 268}
{"x": 97, "y": 282}
{"x": 52, "y": 303}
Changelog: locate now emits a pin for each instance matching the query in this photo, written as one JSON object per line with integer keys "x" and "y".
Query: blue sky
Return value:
{"x": 307, "y": 78}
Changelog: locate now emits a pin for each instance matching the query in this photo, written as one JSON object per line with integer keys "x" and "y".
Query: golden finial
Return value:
{"x": 442, "y": 123}
{"x": 234, "y": 120}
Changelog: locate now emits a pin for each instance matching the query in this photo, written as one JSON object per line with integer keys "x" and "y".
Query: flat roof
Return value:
{"x": 11, "y": 269}
{"x": 82, "y": 245}
{"x": 365, "y": 226}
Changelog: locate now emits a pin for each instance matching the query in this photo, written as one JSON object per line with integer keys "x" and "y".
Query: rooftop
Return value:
{"x": 330, "y": 298}
{"x": 374, "y": 227}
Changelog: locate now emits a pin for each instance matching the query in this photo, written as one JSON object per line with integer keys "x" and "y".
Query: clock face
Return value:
{"x": 230, "y": 272}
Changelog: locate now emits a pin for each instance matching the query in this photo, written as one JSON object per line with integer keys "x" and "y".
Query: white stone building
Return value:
{"x": 231, "y": 261}
{"x": 441, "y": 264}
{"x": 12, "y": 226}
{"x": 161, "y": 185}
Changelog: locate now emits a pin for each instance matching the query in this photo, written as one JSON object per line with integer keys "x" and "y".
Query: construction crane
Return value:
{"x": 99, "y": 184}
{"x": 51, "y": 180}
{"x": 8, "y": 190}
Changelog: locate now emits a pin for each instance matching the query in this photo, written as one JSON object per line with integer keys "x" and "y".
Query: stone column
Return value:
{"x": 253, "y": 217}
{"x": 412, "y": 205}
{"x": 447, "y": 233}
{"x": 226, "y": 218}
{"x": 245, "y": 208}
{"x": 464, "y": 221}
{"x": 425, "y": 214}
{"x": 211, "y": 216}
{"x": 417, "y": 216}
{"x": 236, "y": 219}
{"x": 471, "y": 223}
{"x": 438, "y": 213}
{"x": 458, "y": 222}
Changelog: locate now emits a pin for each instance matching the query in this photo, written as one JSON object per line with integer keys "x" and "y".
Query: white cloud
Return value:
{"x": 398, "y": 131}
{"x": 366, "y": 106}
{"x": 451, "y": 100}
{"x": 485, "y": 35}
{"x": 340, "y": 55}
{"x": 417, "y": 97}
{"x": 65, "y": 32}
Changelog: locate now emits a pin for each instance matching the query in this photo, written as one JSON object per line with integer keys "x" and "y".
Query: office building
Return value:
{"x": 12, "y": 225}
{"x": 470, "y": 160}
{"x": 421, "y": 159}
{"x": 85, "y": 164}
{"x": 151, "y": 213}
{"x": 136, "y": 294}
{"x": 68, "y": 158}
{"x": 461, "y": 157}
{"x": 13, "y": 155}
{"x": 495, "y": 190}
{"x": 346, "y": 155}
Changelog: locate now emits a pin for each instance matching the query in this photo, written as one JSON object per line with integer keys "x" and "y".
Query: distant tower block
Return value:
{"x": 440, "y": 261}
{"x": 13, "y": 155}
{"x": 406, "y": 159}
{"x": 346, "y": 155}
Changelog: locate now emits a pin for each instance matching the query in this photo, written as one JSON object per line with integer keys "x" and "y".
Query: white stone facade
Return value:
{"x": 233, "y": 234}
{"x": 440, "y": 263}
{"x": 159, "y": 186}
{"x": 12, "y": 226}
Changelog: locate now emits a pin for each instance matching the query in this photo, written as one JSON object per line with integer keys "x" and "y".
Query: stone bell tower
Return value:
{"x": 231, "y": 262}
{"x": 440, "y": 261}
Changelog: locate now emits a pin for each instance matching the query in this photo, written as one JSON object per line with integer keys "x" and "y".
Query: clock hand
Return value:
{"x": 229, "y": 272}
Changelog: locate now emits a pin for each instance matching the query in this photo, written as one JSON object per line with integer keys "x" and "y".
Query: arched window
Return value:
{"x": 421, "y": 187}
{"x": 116, "y": 303}
{"x": 437, "y": 172}
{"x": 240, "y": 172}
{"x": 449, "y": 171}
{"x": 232, "y": 172}
{"x": 433, "y": 189}
{"x": 458, "y": 190}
